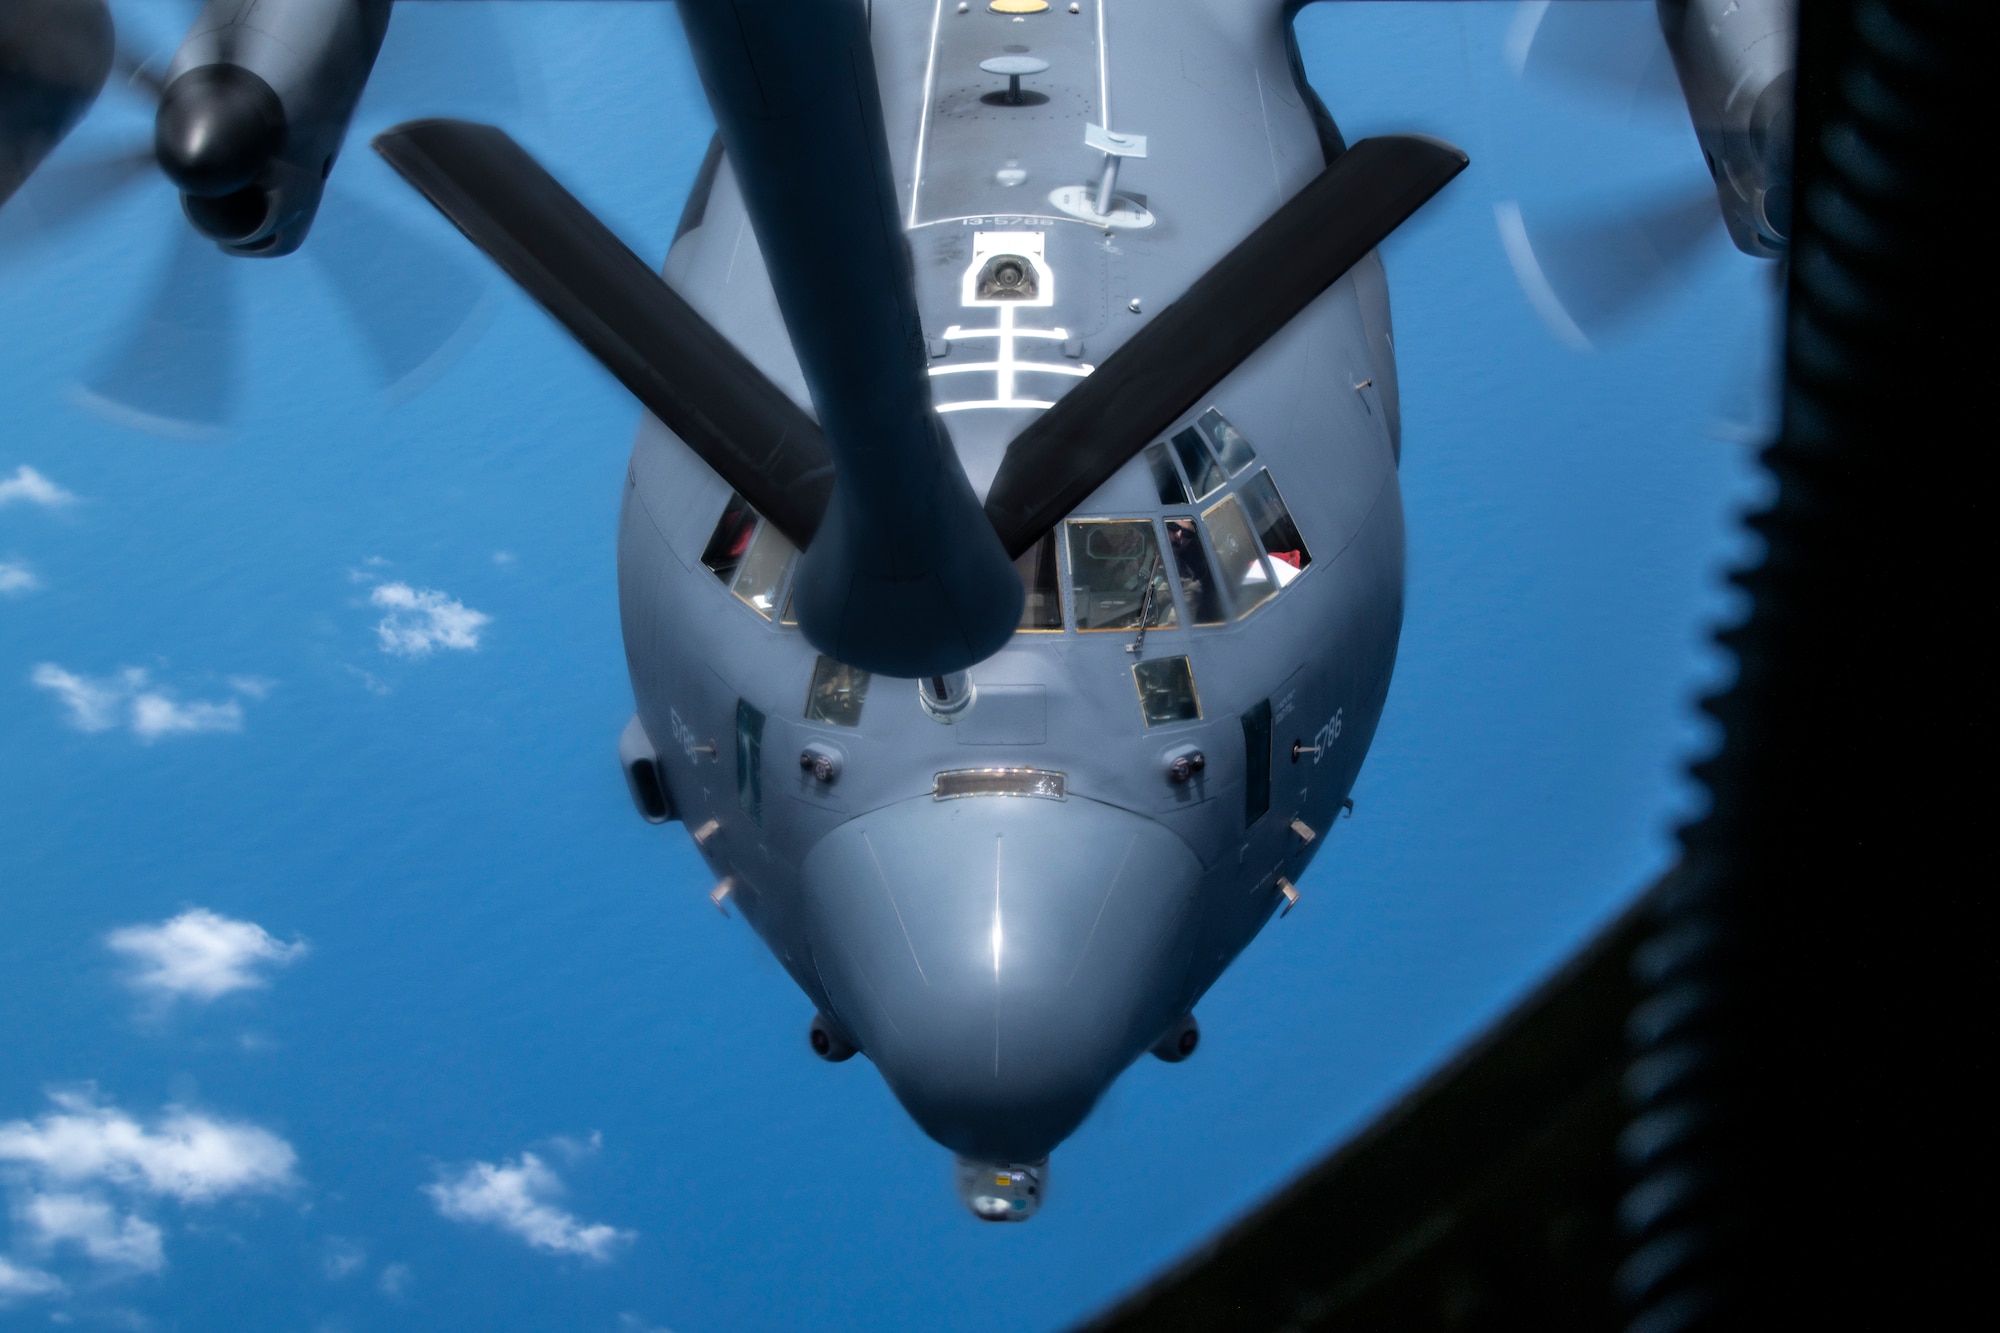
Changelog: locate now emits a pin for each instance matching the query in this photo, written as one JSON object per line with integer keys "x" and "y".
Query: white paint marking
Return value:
{"x": 968, "y": 405}
{"x": 924, "y": 119}
{"x": 1103, "y": 70}
{"x": 1006, "y": 366}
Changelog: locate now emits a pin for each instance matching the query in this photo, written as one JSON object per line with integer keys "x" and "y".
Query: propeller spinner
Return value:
{"x": 248, "y": 118}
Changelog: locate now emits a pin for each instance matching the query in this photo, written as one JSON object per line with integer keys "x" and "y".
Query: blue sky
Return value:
{"x": 341, "y": 989}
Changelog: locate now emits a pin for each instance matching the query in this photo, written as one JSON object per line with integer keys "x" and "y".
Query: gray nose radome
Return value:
{"x": 1002, "y": 958}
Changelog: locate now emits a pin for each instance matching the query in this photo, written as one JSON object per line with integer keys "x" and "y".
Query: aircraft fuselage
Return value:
{"x": 1004, "y": 903}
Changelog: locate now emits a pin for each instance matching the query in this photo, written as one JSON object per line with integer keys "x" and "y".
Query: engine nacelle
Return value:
{"x": 54, "y": 55}
{"x": 256, "y": 104}
{"x": 1736, "y": 61}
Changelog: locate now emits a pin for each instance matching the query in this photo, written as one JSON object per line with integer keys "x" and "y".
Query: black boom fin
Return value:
{"x": 685, "y": 373}
{"x": 1229, "y": 312}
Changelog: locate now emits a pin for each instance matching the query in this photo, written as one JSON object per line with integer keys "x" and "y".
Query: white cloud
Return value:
{"x": 421, "y": 620}
{"x": 94, "y": 705}
{"x": 31, "y": 487}
{"x": 201, "y": 955}
{"x": 342, "y": 1259}
{"x": 17, "y": 1283}
{"x": 16, "y": 578}
{"x": 107, "y": 1236}
{"x": 395, "y": 1280}
{"x": 183, "y": 1155}
{"x": 155, "y": 715}
{"x": 73, "y": 1175}
{"x": 369, "y": 680}
{"x": 520, "y": 1197}
{"x": 252, "y": 687}
{"x": 130, "y": 700}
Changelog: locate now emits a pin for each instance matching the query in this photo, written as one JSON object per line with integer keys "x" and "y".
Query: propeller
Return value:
{"x": 1587, "y": 275}
{"x": 54, "y": 56}
{"x": 176, "y": 369}
{"x": 1588, "y": 272}
{"x": 1612, "y": 51}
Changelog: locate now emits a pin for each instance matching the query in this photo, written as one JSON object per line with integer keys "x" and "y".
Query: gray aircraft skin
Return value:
{"x": 1009, "y": 845}
{"x": 1002, "y": 957}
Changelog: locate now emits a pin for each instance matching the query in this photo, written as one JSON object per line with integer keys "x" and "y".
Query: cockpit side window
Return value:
{"x": 1203, "y": 473}
{"x": 763, "y": 570}
{"x": 750, "y": 556}
{"x": 1274, "y": 527}
{"x": 1166, "y": 691}
{"x": 1231, "y": 446}
{"x": 838, "y": 691}
{"x": 1243, "y": 568}
{"x": 1199, "y": 589}
{"x": 730, "y": 539}
{"x": 1041, "y": 610}
{"x": 1117, "y": 575}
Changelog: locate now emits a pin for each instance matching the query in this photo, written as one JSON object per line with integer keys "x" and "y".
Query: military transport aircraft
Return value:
{"x": 1011, "y": 561}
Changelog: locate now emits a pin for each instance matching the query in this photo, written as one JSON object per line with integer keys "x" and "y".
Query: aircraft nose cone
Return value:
{"x": 1002, "y": 959}
{"x": 217, "y": 128}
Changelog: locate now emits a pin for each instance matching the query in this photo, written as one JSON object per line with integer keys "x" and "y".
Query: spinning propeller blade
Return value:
{"x": 54, "y": 55}
{"x": 1586, "y": 277}
{"x": 176, "y": 373}
{"x": 1229, "y": 312}
{"x": 63, "y": 192}
{"x": 1586, "y": 273}
{"x": 1614, "y": 51}
{"x": 410, "y": 296}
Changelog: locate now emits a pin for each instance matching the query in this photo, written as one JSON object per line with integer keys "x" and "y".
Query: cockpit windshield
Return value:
{"x": 1203, "y": 473}
{"x": 1231, "y": 446}
{"x": 1198, "y": 586}
{"x": 1236, "y": 551}
{"x": 1117, "y": 576}
{"x": 1275, "y": 529}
